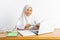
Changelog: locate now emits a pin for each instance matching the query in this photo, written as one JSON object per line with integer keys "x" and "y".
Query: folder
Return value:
{"x": 12, "y": 33}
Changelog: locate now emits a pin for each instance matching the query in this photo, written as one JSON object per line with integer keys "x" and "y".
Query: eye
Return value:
{"x": 27, "y": 9}
{"x": 30, "y": 10}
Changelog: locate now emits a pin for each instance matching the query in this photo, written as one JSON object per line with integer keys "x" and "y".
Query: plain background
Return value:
{"x": 46, "y": 10}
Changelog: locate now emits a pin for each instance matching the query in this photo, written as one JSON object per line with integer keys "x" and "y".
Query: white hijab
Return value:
{"x": 23, "y": 20}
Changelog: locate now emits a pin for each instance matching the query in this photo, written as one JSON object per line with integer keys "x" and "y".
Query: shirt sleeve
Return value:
{"x": 20, "y": 25}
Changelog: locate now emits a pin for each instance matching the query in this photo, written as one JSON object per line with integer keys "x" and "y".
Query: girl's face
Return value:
{"x": 28, "y": 11}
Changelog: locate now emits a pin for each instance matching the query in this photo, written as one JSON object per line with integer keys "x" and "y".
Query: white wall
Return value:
{"x": 8, "y": 14}
{"x": 48, "y": 10}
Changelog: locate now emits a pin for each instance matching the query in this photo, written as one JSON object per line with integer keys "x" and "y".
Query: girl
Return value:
{"x": 27, "y": 20}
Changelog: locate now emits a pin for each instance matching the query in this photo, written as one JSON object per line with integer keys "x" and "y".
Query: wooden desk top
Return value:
{"x": 54, "y": 35}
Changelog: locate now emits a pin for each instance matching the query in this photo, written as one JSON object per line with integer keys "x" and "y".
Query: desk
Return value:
{"x": 53, "y": 35}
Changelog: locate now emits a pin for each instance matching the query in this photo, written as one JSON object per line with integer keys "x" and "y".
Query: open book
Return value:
{"x": 26, "y": 33}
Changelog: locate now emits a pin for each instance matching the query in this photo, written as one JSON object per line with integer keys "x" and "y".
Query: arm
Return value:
{"x": 27, "y": 26}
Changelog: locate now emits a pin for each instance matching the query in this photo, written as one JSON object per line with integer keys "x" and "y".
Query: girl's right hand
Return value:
{"x": 19, "y": 29}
